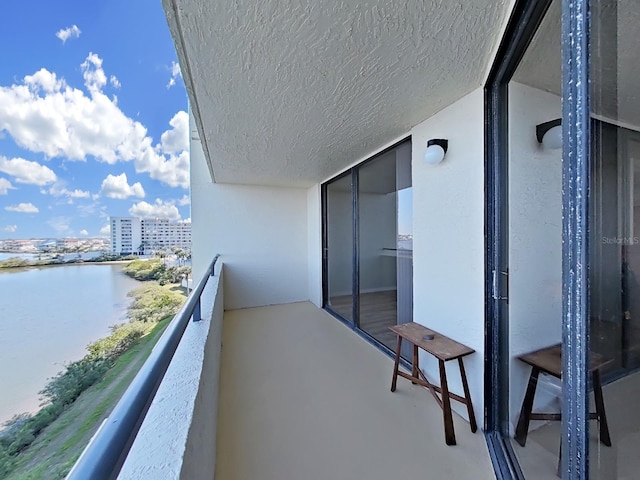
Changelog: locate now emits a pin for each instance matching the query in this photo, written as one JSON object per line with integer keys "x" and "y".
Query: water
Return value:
{"x": 65, "y": 257}
{"x": 47, "y": 318}
{"x": 27, "y": 256}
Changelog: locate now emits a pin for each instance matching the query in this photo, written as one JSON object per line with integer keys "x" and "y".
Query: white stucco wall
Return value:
{"x": 448, "y": 229}
{"x": 535, "y": 242}
{"x": 260, "y": 232}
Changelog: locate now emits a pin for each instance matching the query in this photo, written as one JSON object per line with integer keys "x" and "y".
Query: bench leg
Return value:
{"x": 467, "y": 396}
{"x": 527, "y": 405}
{"x": 449, "y": 434}
{"x": 414, "y": 364}
{"x": 394, "y": 380}
{"x": 602, "y": 415}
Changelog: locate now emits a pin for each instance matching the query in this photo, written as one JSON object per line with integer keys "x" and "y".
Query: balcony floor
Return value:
{"x": 303, "y": 397}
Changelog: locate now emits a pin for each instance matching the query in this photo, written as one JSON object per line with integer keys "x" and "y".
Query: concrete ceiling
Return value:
{"x": 615, "y": 60}
{"x": 289, "y": 92}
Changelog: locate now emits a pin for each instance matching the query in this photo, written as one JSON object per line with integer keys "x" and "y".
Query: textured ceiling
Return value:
{"x": 289, "y": 92}
{"x": 615, "y": 60}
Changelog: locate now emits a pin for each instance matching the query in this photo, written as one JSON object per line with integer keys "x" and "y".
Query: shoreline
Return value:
{"x": 65, "y": 264}
{"x": 69, "y": 326}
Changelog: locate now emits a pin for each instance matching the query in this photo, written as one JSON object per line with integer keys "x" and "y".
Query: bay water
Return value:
{"x": 48, "y": 316}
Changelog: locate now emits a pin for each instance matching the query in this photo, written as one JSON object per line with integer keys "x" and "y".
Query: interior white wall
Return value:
{"x": 448, "y": 239}
{"x": 260, "y": 232}
{"x": 535, "y": 242}
{"x": 314, "y": 245}
{"x": 378, "y": 231}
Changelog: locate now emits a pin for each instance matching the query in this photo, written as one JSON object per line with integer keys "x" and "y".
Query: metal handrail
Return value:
{"x": 103, "y": 458}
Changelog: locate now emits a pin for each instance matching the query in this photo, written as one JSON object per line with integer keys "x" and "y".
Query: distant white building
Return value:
{"x": 158, "y": 233}
{"x": 126, "y": 235}
{"x": 144, "y": 236}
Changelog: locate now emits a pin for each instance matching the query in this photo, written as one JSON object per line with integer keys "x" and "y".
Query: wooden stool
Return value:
{"x": 444, "y": 349}
{"x": 548, "y": 360}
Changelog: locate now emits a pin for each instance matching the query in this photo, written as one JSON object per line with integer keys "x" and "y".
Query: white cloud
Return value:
{"x": 93, "y": 209}
{"x": 106, "y": 230}
{"x": 159, "y": 209}
{"x": 115, "y": 83}
{"x": 84, "y": 232}
{"x": 185, "y": 200}
{"x": 118, "y": 187}
{"x": 176, "y": 140}
{"x": 175, "y": 73}
{"x": 44, "y": 80}
{"x": 22, "y": 208}
{"x": 173, "y": 171}
{"x": 5, "y": 186}
{"x": 25, "y": 171}
{"x": 59, "y": 190}
{"x": 45, "y": 115}
{"x": 60, "y": 224}
{"x": 93, "y": 74}
{"x": 67, "y": 33}
{"x": 10, "y": 228}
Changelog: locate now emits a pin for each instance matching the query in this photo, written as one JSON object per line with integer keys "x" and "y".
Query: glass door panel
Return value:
{"x": 535, "y": 254}
{"x": 385, "y": 244}
{"x": 614, "y": 269}
{"x": 339, "y": 247}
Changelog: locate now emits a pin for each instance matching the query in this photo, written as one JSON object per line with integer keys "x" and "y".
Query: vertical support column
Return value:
{"x": 575, "y": 189}
{"x": 197, "y": 315}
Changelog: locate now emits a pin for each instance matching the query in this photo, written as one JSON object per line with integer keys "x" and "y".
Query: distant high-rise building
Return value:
{"x": 132, "y": 235}
{"x": 158, "y": 233}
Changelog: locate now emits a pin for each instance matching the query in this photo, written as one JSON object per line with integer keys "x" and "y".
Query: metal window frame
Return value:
{"x": 525, "y": 19}
{"x": 575, "y": 249}
{"x": 576, "y": 178}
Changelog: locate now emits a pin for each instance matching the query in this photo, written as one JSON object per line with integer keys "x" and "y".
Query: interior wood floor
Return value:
{"x": 378, "y": 311}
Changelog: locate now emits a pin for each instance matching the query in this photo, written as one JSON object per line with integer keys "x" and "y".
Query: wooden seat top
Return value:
{"x": 441, "y": 346}
{"x": 549, "y": 360}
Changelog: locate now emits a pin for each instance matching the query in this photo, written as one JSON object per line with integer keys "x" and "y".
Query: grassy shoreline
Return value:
{"x": 60, "y": 444}
{"x": 45, "y": 444}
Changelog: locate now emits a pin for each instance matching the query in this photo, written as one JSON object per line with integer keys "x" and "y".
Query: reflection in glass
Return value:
{"x": 340, "y": 247}
{"x": 614, "y": 317}
{"x": 535, "y": 256}
{"x": 615, "y": 247}
{"x": 385, "y": 244}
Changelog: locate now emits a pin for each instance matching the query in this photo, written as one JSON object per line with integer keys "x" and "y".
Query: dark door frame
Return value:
{"x": 576, "y": 179}
{"x": 353, "y": 172}
{"x": 575, "y": 36}
{"x": 523, "y": 23}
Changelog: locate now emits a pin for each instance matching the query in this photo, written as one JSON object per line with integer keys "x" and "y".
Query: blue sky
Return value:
{"x": 93, "y": 117}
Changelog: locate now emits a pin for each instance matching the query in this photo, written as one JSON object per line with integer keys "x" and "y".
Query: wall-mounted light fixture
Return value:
{"x": 436, "y": 148}
{"x": 549, "y": 134}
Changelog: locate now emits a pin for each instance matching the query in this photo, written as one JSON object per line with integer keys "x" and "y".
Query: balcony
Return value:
{"x": 286, "y": 392}
{"x": 302, "y": 396}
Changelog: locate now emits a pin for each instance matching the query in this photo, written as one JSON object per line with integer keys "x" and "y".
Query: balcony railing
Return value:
{"x": 107, "y": 451}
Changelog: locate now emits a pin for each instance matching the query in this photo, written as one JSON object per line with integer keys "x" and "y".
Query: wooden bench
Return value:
{"x": 548, "y": 360}
{"x": 444, "y": 349}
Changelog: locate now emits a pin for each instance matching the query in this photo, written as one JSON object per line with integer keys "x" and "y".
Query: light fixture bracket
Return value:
{"x": 441, "y": 142}
{"x": 545, "y": 127}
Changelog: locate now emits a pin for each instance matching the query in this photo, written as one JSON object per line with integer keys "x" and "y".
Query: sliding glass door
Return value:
{"x": 369, "y": 244}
